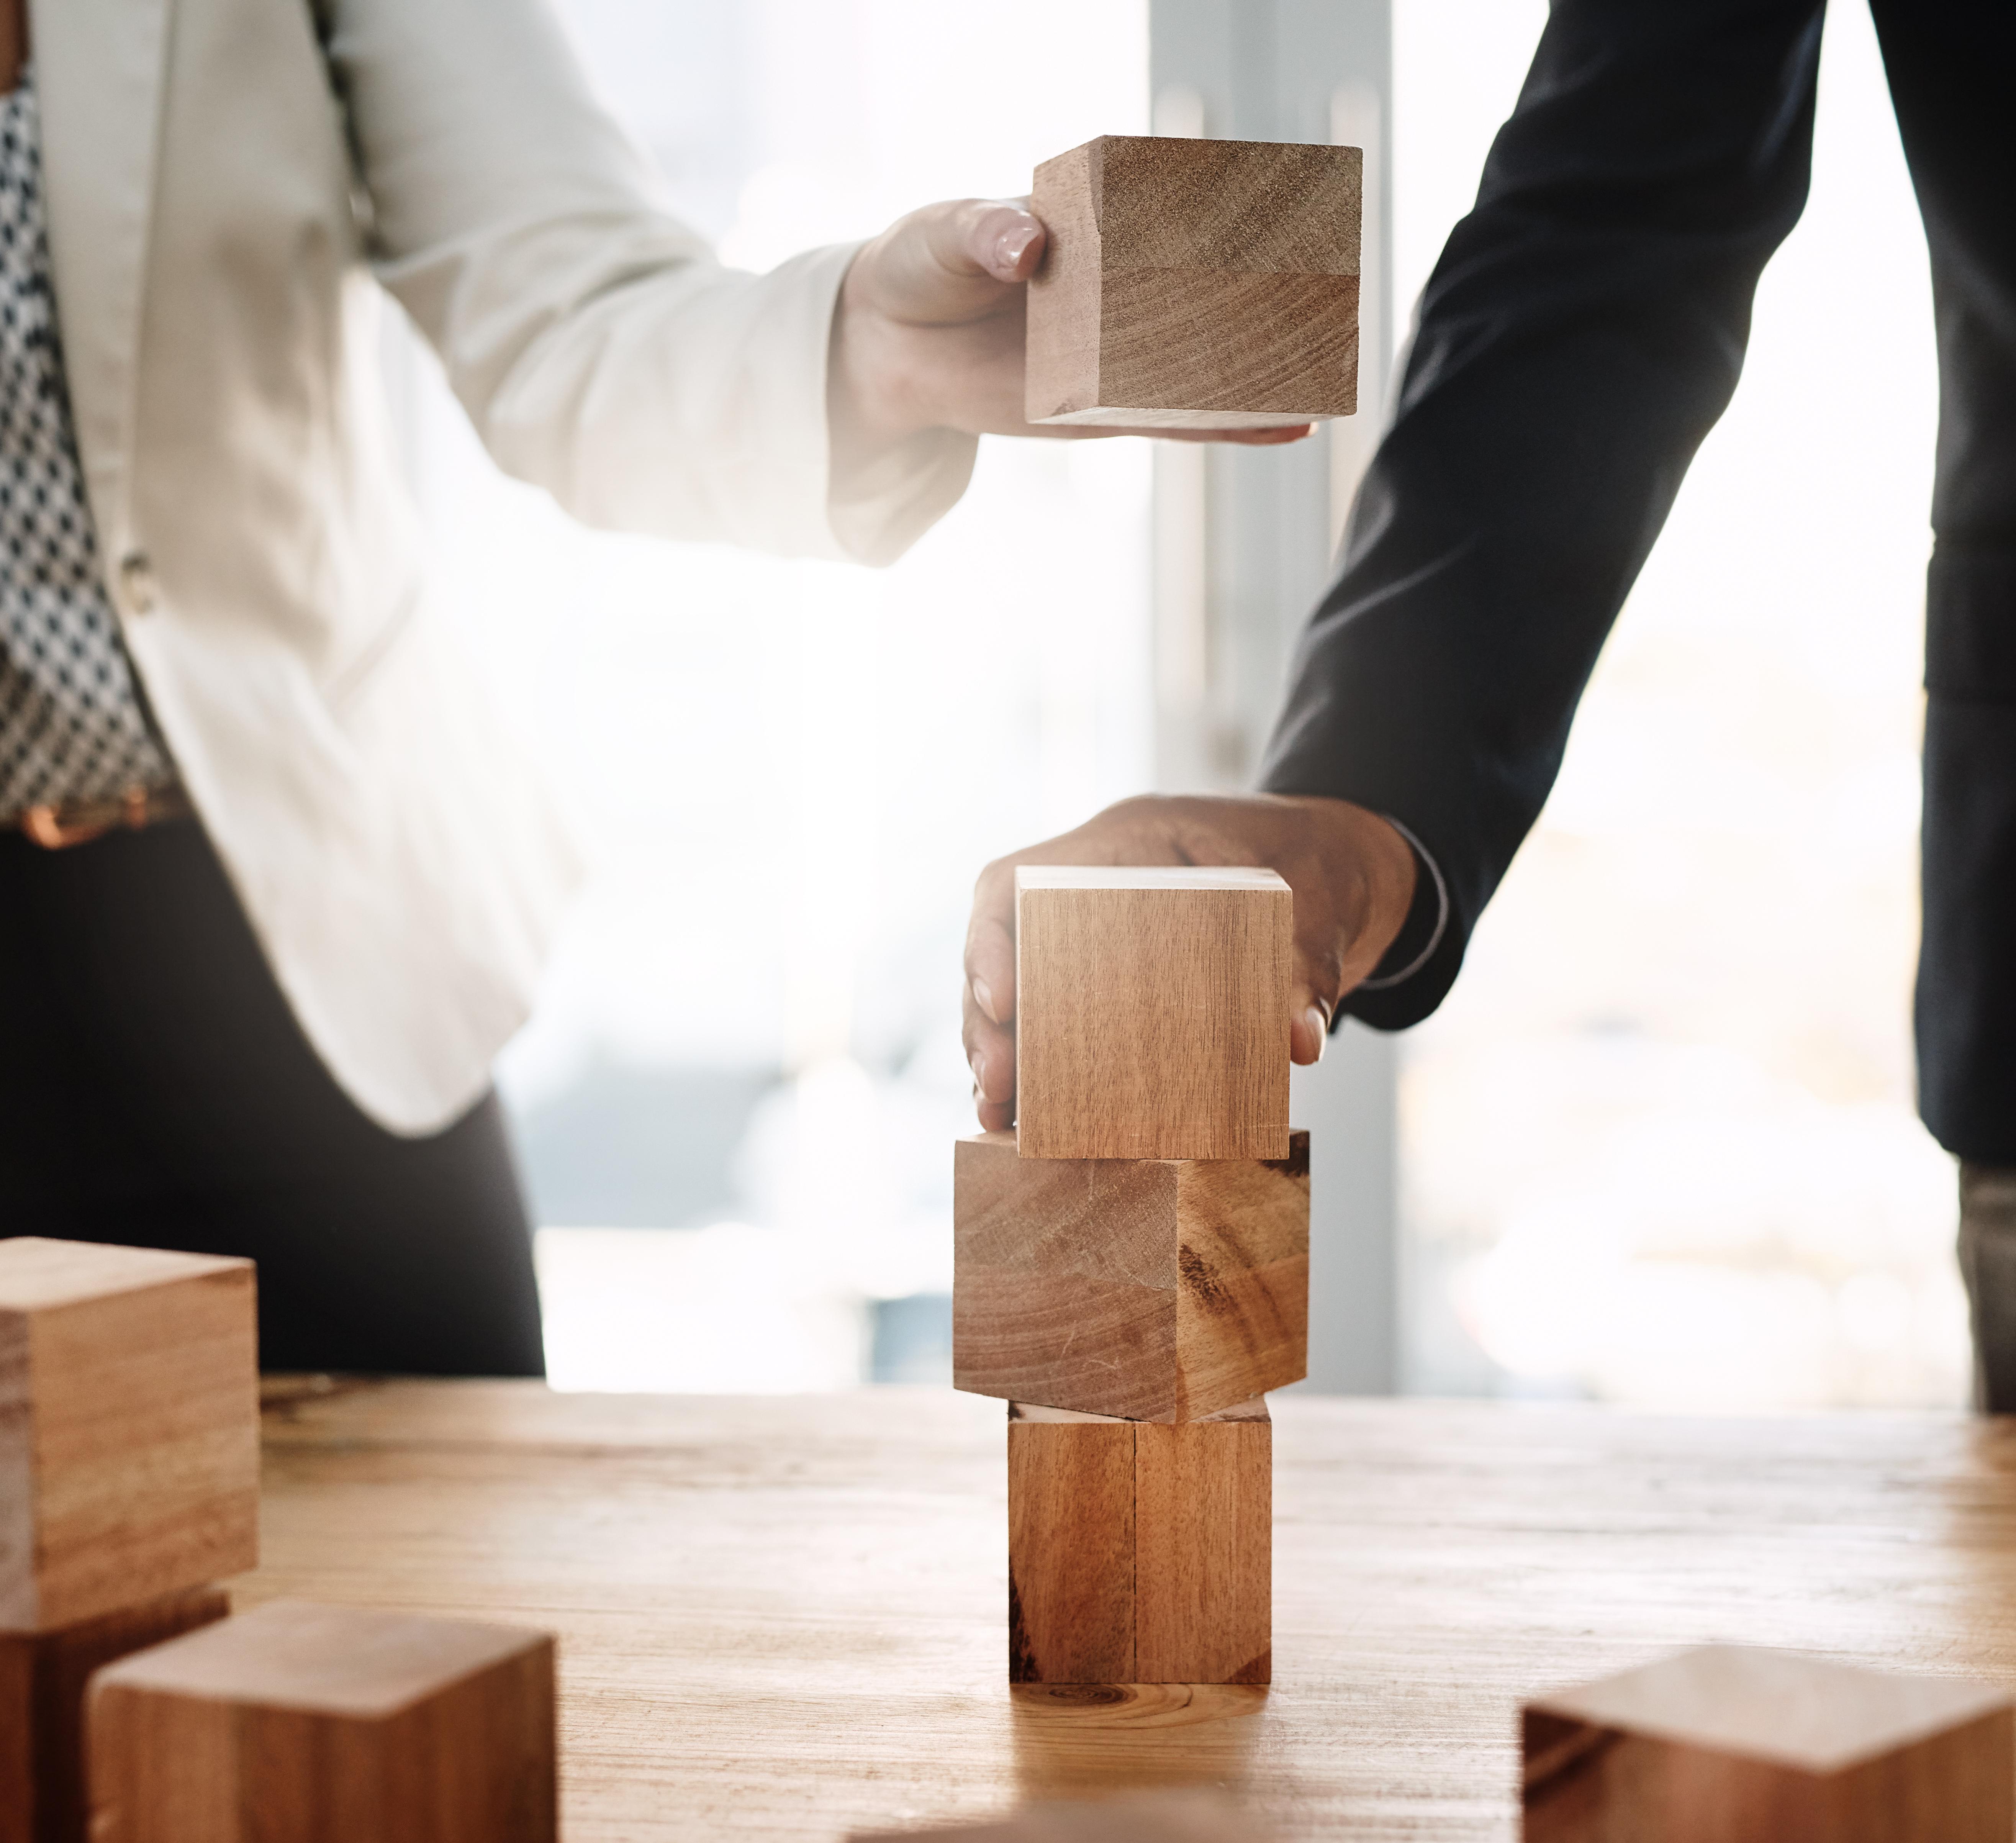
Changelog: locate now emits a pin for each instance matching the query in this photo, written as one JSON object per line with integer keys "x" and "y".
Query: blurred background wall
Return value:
{"x": 1659, "y": 1147}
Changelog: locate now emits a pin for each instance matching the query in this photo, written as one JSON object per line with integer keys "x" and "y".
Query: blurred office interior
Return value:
{"x": 1659, "y": 1147}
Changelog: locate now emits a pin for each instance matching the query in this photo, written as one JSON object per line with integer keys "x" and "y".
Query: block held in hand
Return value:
{"x": 1196, "y": 284}
{"x": 1152, "y": 1011}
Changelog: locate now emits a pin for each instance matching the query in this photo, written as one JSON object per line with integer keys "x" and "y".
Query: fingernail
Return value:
{"x": 1009, "y": 246}
{"x": 979, "y": 1078}
{"x": 1314, "y": 1018}
{"x": 984, "y": 998}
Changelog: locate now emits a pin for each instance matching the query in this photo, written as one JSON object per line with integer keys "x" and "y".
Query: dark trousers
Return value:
{"x": 155, "y": 1090}
{"x": 1581, "y": 333}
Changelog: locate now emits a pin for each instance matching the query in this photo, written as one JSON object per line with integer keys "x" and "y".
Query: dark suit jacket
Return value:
{"x": 1582, "y": 331}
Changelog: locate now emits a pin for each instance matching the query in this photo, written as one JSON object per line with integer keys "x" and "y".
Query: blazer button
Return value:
{"x": 137, "y": 584}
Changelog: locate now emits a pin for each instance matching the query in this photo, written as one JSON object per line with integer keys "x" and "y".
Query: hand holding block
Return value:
{"x": 42, "y": 1678}
{"x": 1727, "y": 1744}
{"x": 1156, "y": 1288}
{"x": 1195, "y": 284}
{"x": 1151, "y": 1011}
{"x": 300, "y": 1721}
{"x": 1139, "y": 1553}
{"x": 129, "y": 1428}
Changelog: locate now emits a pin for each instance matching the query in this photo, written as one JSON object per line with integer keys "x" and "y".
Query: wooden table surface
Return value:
{"x": 784, "y": 1617}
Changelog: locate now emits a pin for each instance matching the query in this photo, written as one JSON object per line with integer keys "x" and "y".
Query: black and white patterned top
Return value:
{"x": 71, "y": 723}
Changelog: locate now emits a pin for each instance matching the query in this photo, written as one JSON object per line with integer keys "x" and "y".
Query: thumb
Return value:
{"x": 1309, "y": 1025}
{"x": 1005, "y": 241}
{"x": 951, "y": 262}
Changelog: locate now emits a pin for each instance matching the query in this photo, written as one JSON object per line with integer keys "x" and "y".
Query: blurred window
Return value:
{"x": 737, "y": 1101}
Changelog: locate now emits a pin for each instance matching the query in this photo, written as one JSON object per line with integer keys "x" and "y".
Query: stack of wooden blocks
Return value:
{"x": 1131, "y": 1271}
{"x": 132, "y": 1709}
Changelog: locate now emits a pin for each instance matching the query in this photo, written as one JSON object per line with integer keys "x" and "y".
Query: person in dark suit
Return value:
{"x": 1582, "y": 331}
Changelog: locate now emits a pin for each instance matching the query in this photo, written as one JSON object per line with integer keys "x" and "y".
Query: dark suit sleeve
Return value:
{"x": 1582, "y": 331}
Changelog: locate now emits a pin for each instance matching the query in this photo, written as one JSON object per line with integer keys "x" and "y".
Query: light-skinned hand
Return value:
{"x": 1351, "y": 873}
{"x": 928, "y": 334}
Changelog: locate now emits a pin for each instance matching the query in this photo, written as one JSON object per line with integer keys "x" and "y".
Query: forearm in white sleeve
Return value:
{"x": 599, "y": 349}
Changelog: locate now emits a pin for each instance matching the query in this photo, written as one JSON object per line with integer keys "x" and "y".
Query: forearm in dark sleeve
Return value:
{"x": 1582, "y": 331}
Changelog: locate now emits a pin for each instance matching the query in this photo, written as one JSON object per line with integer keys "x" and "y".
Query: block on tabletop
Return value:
{"x": 1152, "y": 1289}
{"x": 1139, "y": 1552}
{"x": 329, "y": 1721}
{"x": 43, "y": 1675}
{"x": 1732, "y": 1744}
{"x": 1195, "y": 283}
{"x": 129, "y": 1427}
{"x": 1152, "y": 1011}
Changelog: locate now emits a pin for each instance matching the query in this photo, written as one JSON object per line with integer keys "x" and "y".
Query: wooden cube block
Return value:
{"x": 43, "y": 1798}
{"x": 1195, "y": 283}
{"x": 1728, "y": 1744}
{"x": 1139, "y": 1552}
{"x": 1152, "y": 1013}
{"x": 313, "y": 1721}
{"x": 1155, "y": 1289}
{"x": 129, "y": 1428}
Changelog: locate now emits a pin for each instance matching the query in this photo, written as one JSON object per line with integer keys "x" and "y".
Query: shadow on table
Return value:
{"x": 1074, "y": 1738}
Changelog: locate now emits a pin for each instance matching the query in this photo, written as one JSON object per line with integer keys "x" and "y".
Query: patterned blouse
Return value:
{"x": 72, "y": 725}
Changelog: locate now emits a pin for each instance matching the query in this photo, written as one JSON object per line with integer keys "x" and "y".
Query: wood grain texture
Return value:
{"x": 1195, "y": 283}
{"x": 782, "y": 1618}
{"x": 1203, "y": 1546}
{"x": 1150, "y": 1289}
{"x": 301, "y": 1723}
{"x": 1152, "y": 1013}
{"x": 1138, "y": 1553}
{"x": 1734, "y": 1744}
{"x": 1070, "y": 1547}
{"x": 129, "y": 1443}
{"x": 43, "y": 1797}
{"x": 1196, "y": 1817}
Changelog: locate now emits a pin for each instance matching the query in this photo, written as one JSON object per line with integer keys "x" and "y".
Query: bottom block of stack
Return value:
{"x": 1140, "y": 1552}
{"x": 300, "y": 1721}
{"x": 42, "y": 1679}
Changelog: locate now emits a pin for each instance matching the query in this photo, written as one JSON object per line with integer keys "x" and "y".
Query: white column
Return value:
{"x": 1243, "y": 544}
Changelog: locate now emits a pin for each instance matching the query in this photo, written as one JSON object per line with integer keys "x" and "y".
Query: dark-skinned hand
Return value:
{"x": 1351, "y": 873}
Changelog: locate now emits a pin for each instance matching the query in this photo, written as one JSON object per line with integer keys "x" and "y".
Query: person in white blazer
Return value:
{"x": 251, "y": 1007}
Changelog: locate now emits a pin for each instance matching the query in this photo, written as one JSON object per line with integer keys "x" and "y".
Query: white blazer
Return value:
{"x": 225, "y": 179}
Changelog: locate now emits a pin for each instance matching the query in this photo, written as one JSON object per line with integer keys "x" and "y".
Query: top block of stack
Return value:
{"x": 129, "y": 1428}
{"x": 1195, "y": 284}
{"x": 1152, "y": 1013}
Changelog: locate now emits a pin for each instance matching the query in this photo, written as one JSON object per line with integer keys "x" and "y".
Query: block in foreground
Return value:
{"x": 1139, "y": 1553}
{"x": 43, "y": 1796}
{"x": 1195, "y": 283}
{"x": 1152, "y": 1013}
{"x": 302, "y": 1721}
{"x": 1728, "y": 1744}
{"x": 129, "y": 1428}
{"x": 1159, "y": 1289}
